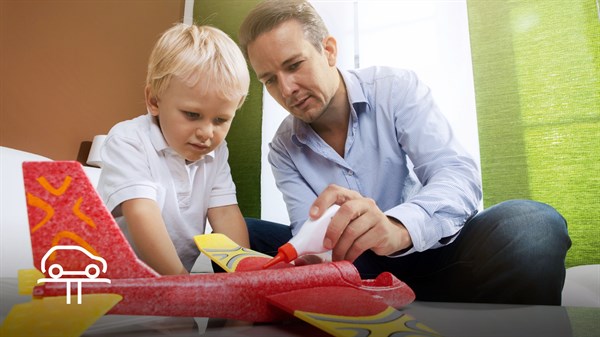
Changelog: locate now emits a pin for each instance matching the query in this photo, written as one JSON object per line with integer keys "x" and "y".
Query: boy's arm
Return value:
{"x": 228, "y": 220}
{"x": 149, "y": 234}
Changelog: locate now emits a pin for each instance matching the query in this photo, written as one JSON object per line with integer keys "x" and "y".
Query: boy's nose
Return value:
{"x": 204, "y": 131}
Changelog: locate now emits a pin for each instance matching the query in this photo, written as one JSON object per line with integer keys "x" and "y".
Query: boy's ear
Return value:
{"x": 151, "y": 102}
{"x": 330, "y": 50}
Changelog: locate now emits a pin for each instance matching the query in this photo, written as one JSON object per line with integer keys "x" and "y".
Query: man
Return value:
{"x": 374, "y": 142}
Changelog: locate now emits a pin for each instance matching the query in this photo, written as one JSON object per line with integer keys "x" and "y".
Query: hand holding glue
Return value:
{"x": 309, "y": 239}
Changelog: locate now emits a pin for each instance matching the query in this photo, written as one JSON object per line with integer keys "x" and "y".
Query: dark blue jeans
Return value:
{"x": 513, "y": 252}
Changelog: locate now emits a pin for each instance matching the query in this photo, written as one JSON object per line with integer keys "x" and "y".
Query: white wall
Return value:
{"x": 429, "y": 37}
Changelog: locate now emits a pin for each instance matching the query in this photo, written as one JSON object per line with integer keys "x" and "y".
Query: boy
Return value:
{"x": 166, "y": 172}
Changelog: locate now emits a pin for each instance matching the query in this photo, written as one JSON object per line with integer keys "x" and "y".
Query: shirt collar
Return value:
{"x": 356, "y": 97}
{"x": 354, "y": 89}
{"x": 160, "y": 143}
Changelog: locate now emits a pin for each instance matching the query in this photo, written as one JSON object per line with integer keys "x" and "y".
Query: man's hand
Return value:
{"x": 358, "y": 225}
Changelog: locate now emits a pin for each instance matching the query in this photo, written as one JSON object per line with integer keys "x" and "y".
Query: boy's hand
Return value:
{"x": 150, "y": 236}
{"x": 358, "y": 225}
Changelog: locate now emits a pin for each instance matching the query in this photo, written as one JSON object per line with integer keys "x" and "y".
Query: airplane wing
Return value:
{"x": 53, "y": 316}
{"x": 339, "y": 311}
{"x": 348, "y": 312}
{"x": 230, "y": 256}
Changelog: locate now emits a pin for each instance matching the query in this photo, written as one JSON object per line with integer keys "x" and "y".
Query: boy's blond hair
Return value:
{"x": 194, "y": 53}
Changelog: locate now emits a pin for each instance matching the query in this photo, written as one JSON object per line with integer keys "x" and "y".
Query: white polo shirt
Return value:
{"x": 138, "y": 163}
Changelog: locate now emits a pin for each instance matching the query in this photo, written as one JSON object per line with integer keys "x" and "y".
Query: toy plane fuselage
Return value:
{"x": 64, "y": 209}
{"x": 241, "y": 295}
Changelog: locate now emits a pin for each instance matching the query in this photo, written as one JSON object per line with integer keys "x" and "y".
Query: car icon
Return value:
{"x": 92, "y": 270}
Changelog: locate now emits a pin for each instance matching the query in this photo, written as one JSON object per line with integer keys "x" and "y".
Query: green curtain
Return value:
{"x": 537, "y": 82}
{"x": 245, "y": 136}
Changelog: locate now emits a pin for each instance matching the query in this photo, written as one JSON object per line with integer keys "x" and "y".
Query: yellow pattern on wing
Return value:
{"x": 78, "y": 213}
{"x": 55, "y": 191}
{"x": 389, "y": 322}
{"x": 34, "y": 201}
{"x": 223, "y": 251}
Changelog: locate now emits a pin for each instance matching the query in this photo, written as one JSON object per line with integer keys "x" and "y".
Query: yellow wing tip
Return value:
{"x": 224, "y": 251}
{"x": 27, "y": 280}
{"x": 51, "y": 316}
{"x": 389, "y": 322}
{"x": 214, "y": 240}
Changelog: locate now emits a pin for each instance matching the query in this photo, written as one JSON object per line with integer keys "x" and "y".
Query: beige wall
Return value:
{"x": 70, "y": 69}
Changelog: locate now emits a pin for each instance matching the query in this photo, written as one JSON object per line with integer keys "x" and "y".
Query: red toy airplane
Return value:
{"x": 66, "y": 215}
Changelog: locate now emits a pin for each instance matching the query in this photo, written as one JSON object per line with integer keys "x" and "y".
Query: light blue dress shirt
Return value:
{"x": 400, "y": 151}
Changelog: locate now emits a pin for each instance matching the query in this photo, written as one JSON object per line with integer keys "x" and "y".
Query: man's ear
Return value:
{"x": 151, "y": 102}
{"x": 330, "y": 50}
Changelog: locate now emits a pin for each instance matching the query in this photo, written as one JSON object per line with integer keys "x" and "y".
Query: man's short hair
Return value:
{"x": 270, "y": 13}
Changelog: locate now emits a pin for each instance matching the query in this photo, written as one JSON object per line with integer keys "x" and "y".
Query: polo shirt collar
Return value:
{"x": 160, "y": 143}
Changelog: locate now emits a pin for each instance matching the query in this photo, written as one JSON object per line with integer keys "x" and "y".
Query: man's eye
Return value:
{"x": 220, "y": 121}
{"x": 295, "y": 66}
{"x": 269, "y": 81}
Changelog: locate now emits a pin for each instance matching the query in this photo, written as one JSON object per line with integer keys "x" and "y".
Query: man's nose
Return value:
{"x": 288, "y": 86}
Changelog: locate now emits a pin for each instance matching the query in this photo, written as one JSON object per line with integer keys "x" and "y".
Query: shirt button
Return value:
{"x": 350, "y": 173}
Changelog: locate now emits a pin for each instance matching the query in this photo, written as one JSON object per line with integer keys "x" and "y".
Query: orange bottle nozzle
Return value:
{"x": 275, "y": 260}
{"x": 286, "y": 253}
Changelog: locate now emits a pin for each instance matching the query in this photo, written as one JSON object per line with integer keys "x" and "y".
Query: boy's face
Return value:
{"x": 193, "y": 120}
{"x": 299, "y": 77}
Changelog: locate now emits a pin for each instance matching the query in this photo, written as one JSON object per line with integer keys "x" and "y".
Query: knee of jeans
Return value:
{"x": 514, "y": 221}
{"x": 539, "y": 224}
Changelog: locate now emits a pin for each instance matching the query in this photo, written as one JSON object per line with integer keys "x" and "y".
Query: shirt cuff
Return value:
{"x": 412, "y": 217}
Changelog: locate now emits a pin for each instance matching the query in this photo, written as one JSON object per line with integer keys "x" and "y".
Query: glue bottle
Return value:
{"x": 309, "y": 240}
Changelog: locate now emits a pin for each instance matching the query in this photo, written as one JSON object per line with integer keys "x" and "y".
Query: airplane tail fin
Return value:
{"x": 64, "y": 210}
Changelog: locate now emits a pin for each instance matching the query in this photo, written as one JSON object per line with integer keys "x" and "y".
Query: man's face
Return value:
{"x": 193, "y": 121}
{"x": 300, "y": 78}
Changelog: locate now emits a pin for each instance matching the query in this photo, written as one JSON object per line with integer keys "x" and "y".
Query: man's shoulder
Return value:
{"x": 286, "y": 127}
{"x": 285, "y": 132}
{"x": 373, "y": 73}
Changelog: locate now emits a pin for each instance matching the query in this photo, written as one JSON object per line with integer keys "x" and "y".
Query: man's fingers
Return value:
{"x": 333, "y": 194}
{"x": 352, "y": 226}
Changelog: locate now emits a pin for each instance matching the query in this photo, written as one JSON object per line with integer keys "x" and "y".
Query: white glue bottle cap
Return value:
{"x": 309, "y": 240}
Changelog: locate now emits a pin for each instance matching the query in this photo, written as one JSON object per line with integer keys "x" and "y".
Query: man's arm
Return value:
{"x": 150, "y": 237}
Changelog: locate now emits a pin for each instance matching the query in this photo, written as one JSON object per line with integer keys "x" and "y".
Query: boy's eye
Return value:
{"x": 219, "y": 120}
{"x": 191, "y": 115}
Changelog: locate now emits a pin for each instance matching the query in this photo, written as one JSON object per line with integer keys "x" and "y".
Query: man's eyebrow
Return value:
{"x": 285, "y": 63}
